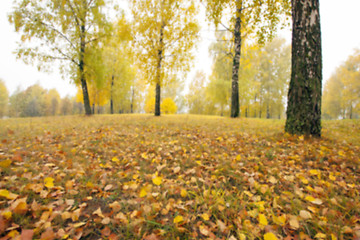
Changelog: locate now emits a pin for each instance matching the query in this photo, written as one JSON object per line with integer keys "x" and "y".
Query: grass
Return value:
{"x": 218, "y": 178}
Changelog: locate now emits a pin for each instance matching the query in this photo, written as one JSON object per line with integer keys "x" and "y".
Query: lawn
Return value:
{"x": 177, "y": 177}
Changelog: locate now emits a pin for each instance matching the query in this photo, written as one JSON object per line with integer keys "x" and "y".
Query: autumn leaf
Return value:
{"x": 294, "y": 223}
{"x": 143, "y": 192}
{"x": 49, "y": 182}
{"x": 262, "y": 220}
{"x": 5, "y": 163}
{"x": 305, "y": 214}
{"x": 183, "y": 193}
{"x": 178, "y": 219}
{"x": 8, "y": 195}
{"x": 157, "y": 180}
{"x": 205, "y": 216}
{"x": 26, "y": 234}
{"x": 270, "y": 236}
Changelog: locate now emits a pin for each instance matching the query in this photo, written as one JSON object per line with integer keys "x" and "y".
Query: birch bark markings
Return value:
{"x": 235, "y": 106}
{"x": 304, "y": 97}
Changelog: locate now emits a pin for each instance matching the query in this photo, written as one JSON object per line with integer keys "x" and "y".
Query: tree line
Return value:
{"x": 155, "y": 49}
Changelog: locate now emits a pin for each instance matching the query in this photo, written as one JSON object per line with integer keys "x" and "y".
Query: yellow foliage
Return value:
{"x": 168, "y": 106}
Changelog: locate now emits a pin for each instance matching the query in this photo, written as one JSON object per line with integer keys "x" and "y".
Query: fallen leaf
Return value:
{"x": 270, "y": 236}
{"x": 49, "y": 182}
{"x": 178, "y": 219}
{"x": 305, "y": 214}
{"x": 262, "y": 220}
{"x": 157, "y": 180}
{"x": 294, "y": 223}
{"x": 26, "y": 234}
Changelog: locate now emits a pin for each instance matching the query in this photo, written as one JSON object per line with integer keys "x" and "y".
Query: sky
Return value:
{"x": 339, "y": 39}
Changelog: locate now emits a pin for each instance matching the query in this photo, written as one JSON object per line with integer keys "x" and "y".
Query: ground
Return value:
{"x": 177, "y": 177}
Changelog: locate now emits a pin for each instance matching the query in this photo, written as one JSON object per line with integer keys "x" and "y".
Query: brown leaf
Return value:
{"x": 151, "y": 237}
{"x": 48, "y": 234}
{"x": 26, "y": 234}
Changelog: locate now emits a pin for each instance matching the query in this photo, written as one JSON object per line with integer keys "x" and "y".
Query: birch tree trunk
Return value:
{"x": 235, "y": 108}
{"x": 304, "y": 97}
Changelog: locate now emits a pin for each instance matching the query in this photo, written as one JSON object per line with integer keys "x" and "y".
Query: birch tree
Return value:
{"x": 165, "y": 32}
{"x": 246, "y": 17}
{"x": 63, "y": 30}
{"x": 304, "y": 97}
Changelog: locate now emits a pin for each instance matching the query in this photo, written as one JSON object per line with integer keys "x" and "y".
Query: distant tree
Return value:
{"x": 247, "y": 17}
{"x": 168, "y": 106}
{"x": 60, "y": 30}
{"x": 165, "y": 32}
{"x": 195, "y": 98}
{"x": 66, "y": 106}
{"x": 341, "y": 97}
{"x": 304, "y": 97}
{"x": 52, "y": 102}
{"x": 4, "y": 99}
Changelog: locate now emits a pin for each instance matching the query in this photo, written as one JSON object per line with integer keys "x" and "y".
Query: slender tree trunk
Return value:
{"x": 158, "y": 77}
{"x": 157, "y": 99}
{"x": 112, "y": 97}
{"x": 82, "y": 72}
{"x": 304, "y": 97}
{"x": 235, "y": 106}
{"x": 267, "y": 111}
{"x": 132, "y": 100}
{"x": 351, "y": 111}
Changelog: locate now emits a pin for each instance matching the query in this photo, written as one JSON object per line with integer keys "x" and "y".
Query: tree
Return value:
{"x": 168, "y": 106}
{"x": 195, "y": 99}
{"x": 4, "y": 99}
{"x": 165, "y": 31}
{"x": 304, "y": 97}
{"x": 52, "y": 102}
{"x": 341, "y": 97}
{"x": 247, "y": 17}
{"x": 60, "y": 30}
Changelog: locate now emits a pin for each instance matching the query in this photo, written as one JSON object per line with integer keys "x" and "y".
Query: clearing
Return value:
{"x": 177, "y": 177}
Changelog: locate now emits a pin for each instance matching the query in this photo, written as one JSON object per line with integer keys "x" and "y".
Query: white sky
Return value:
{"x": 339, "y": 38}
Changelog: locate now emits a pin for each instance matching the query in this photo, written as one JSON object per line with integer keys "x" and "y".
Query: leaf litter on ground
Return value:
{"x": 177, "y": 177}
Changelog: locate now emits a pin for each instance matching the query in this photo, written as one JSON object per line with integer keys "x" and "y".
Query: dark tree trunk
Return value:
{"x": 93, "y": 108}
{"x": 132, "y": 100}
{"x": 235, "y": 106}
{"x": 158, "y": 77}
{"x": 112, "y": 96}
{"x": 304, "y": 97}
{"x": 157, "y": 99}
{"x": 267, "y": 111}
{"x": 82, "y": 72}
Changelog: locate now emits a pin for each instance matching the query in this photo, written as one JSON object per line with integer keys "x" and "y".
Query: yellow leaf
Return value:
{"x": 178, "y": 219}
{"x": 143, "y": 192}
{"x": 49, "y": 182}
{"x": 314, "y": 172}
{"x": 157, "y": 180}
{"x": 4, "y": 193}
{"x": 5, "y": 163}
{"x": 65, "y": 215}
{"x": 205, "y": 216}
{"x": 79, "y": 224}
{"x": 280, "y": 220}
{"x": 238, "y": 158}
{"x": 333, "y": 237}
{"x": 320, "y": 235}
{"x": 98, "y": 212}
{"x": 115, "y": 159}
{"x": 270, "y": 236}
{"x": 313, "y": 200}
{"x": 183, "y": 192}
{"x": 198, "y": 162}
{"x": 262, "y": 219}
{"x": 7, "y": 214}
